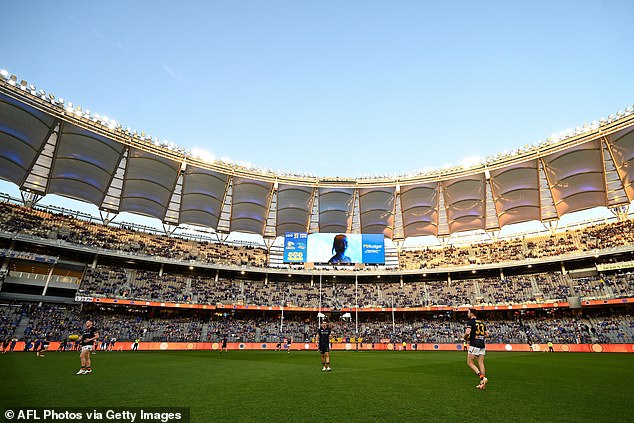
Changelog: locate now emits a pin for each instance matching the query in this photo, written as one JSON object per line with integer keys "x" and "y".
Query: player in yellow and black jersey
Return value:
{"x": 474, "y": 334}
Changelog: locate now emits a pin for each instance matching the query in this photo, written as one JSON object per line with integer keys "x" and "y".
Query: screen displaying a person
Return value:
{"x": 339, "y": 246}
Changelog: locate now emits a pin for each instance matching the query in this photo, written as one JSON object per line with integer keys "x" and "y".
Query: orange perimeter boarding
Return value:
{"x": 343, "y": 346}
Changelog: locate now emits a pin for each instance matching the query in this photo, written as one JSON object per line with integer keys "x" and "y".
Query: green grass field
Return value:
{"x": 363, "y": 386}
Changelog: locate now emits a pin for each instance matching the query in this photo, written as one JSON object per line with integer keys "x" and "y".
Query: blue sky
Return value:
{"x": 332, "y": 88}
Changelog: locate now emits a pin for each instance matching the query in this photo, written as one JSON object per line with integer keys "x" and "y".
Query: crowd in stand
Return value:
{"x": 68, "y": 228}
{"x": 609, "y": 235}
{"x": 9, "y": 319}
{"x": 56, "y": 322}
{"x": 104, "y": 281}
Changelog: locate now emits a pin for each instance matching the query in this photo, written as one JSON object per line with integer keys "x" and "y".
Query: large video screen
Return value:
{"x": 334, "y": 248}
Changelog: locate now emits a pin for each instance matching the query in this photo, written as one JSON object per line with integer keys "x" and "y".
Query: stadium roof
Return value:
{"x": 49, "y": 147}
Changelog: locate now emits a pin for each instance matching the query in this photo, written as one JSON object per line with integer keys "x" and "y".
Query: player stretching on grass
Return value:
{"x": 87, "y": 338}
{"x": 323, "y": 340}
{"x": 474, "y": 335}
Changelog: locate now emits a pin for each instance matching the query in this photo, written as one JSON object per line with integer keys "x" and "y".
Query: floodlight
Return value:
{"x": 4, "y": 74}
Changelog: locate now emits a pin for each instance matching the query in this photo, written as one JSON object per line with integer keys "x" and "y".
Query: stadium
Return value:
{"x": 213, "y": 287}
{"x": 186, "y": 289}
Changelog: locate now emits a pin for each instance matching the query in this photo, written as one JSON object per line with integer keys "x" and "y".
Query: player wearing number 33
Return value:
{"x": 474, "y": 335}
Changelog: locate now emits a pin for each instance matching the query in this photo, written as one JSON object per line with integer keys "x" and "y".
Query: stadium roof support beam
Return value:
{"x": 313, "y": 221}
{"x": 442, "y": 225}
{"x": 107, "y": 217}
{"x": 621, "y": 212}
{"x": 172, "y": 215}
{"x": 614, "y": 191}
{"x": 169, "y": 229}
{"x": 269, "y": 243}
{"x": 620, "y": 168}
{"x": 224, "y": 221}
{"x": 29, "y": 199}
{"x": 547, "y": 209}
{"x": 271, "y": 214}
{"x": 38, "y": 177}
{"x": 355, "y": 223}
{"x": 399, "y": 233}
{"x": 551, "y": 225}
{"x": 491, "y": 213}
{"x": 111, "y": 201}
